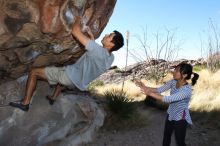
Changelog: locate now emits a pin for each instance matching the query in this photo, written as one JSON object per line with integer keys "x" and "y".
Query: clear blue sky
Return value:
{"x": 189, "y": 17}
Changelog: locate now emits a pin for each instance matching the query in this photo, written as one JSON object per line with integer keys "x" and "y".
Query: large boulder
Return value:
{"x": 36, "y": 33}
{"x": 73, "y": 120}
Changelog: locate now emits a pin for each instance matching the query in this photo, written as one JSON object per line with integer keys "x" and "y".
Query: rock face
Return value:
{"x": 143, "y": 70}
{"x": 72, "y": 121}
{"x": 36, "y": 33}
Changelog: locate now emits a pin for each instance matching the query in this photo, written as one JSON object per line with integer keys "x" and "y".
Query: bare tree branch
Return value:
{"x": 165, "y": 48}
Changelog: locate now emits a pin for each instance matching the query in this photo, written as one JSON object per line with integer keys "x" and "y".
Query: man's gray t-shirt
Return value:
{"x": 90, "y": 65}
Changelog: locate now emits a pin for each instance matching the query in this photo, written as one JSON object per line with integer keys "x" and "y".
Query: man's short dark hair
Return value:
{"x": 118, "y": 41}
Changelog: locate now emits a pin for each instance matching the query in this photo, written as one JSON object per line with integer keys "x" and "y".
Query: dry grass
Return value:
{"x": 206, "y": 93}
{"x": 129, "y": 87}
{"x": 204, "y": 104}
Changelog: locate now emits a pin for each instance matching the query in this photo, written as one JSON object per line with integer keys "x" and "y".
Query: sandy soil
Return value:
{"x": 152, "y": 133}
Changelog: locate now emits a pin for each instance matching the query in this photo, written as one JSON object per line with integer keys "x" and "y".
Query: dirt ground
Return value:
{"x": 151, "y": 134}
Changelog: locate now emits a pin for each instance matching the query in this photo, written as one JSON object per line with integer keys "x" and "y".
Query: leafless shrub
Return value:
{"x": 164, "y": 49}
{"x": 211, "y": 48}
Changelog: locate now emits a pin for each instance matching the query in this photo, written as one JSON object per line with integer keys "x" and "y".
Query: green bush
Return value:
{"x": 94, "y": 84}
{"x": 120, "y": 104}
{"x": 198, "y": 68}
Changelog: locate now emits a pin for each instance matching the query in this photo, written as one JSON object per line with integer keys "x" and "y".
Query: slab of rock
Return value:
{"x": 36, "y": 33}
{"x": 73, "y": 119}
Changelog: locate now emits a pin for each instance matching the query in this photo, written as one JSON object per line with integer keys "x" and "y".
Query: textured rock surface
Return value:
{"x": 142, "y": 70}
{"x": 35, "y": 33}
{"x": 73, "y": 120}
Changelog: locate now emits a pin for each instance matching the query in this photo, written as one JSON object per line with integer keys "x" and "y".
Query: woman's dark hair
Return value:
{"x": 185, "y": 68}
{"x": 118, "y": 41}
{"x": 195, "y": 78}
